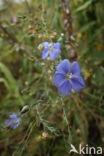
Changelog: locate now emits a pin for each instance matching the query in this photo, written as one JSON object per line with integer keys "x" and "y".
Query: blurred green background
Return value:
{"x": 53, "y": 121}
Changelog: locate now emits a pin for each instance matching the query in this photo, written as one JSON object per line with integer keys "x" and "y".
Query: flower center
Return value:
{"x": 69, "y": 76}
{"x": 13, "y": 121}
{"x": 51, "y": 48}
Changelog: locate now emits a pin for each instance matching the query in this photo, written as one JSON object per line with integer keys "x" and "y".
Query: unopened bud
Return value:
{"x": 60, "y": 39}
{"x": 24, "y": 109}
{"x": 41, "y": 47}
{"x": 62, "y": 34}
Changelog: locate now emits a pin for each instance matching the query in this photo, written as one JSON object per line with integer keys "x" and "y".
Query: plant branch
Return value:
{"x": 14, "y": 40}
{"x": 68, "y": 29}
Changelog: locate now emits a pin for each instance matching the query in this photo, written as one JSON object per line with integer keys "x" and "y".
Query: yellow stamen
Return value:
{"x": 67, "y": 76}
{"x": 51, "y": 49}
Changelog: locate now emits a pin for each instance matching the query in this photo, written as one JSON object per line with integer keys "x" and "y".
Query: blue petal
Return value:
{"x": 18, "y": 120}
{"x": 45, "y": 44}
{"x": 8, "y": 122}
{"x": 64, "y": 66}
{"x": 75, "y": 70}
{"x": 58, "y": 45}
{"x": 58, "y": 51}
{"x": 58, "y": 78}
{"x": 15, "y": 126}
{"x": 77, "y": 83}
{"x": 65, "y": 88}
{"x": 13, "y": 116}
{"x": 45, "y": 53}
{"x": 53, "y": 54}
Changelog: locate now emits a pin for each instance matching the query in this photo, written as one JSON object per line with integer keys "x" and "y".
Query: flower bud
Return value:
{"x": 60, "y": 39}
{"x": 41, "y": 47}
{"x": 24, "y": 109}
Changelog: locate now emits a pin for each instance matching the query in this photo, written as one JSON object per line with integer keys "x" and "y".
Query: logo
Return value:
{"x": 86, "y": 150}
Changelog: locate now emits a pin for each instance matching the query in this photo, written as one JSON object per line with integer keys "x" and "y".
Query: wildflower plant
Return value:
{"x": 14, "y": 121}
{"x": 68, "y": 76}
{"x": 50, "y": 49}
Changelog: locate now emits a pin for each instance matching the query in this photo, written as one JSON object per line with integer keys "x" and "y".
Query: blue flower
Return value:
{"x": 68, "y": 76}
{"x": 13, "y": 121}
{"x": 50, "y": 49}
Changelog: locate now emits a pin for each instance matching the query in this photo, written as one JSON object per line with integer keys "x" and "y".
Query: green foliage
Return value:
{"x": 84, "y": 6}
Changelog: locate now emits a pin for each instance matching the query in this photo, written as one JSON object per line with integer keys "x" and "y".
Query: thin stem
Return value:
{"x": 66, "y": 120}
{"x": 43, "y": 20}
{"x": 28, "y": 7}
